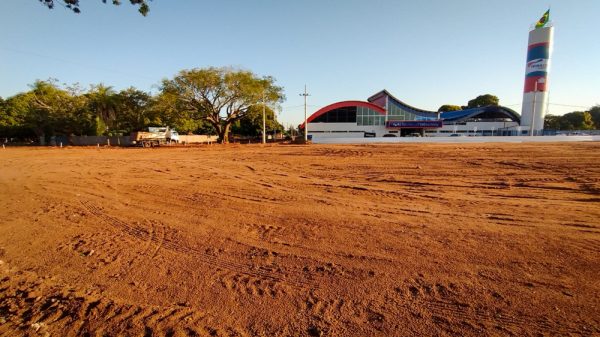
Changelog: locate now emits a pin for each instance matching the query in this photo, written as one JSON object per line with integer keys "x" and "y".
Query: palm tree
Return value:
{"x": 103, "y": 102}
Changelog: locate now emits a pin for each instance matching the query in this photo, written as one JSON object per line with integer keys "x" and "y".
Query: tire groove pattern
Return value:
{"x": 204, "y": 257}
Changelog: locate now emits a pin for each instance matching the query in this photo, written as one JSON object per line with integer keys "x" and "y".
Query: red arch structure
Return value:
{"x": 343, "y": 104}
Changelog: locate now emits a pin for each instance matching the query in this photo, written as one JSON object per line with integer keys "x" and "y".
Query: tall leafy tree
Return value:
{"x": 220, "y": 96}
{"x": 7, "y": 121}
{"x": 12, "y": 117}
{"x": 165, "y": 107}
{"x": 577, "y": 120}
{"x": 54, "y": 111}
{"x": 103, "y": 101}
{"x": 134, "y": 110}
{"x": 252, "y": 123}
{"x": 448, "y": 107}
{"x": 483, "y": 100}
{"x": 595, "y": 114}
{"x": 552, "y": 122}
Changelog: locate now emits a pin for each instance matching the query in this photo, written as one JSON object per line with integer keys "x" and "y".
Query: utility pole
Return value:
{"x": 264, "y": 133}
{"x": 533, "y": 108}
{"x": 305, "y": 94}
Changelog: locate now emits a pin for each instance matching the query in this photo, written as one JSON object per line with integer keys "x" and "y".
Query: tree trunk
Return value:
{"x": 223, "y": 131}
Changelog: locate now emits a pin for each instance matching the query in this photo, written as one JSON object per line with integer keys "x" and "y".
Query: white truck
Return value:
{"x": 155, "y": 136}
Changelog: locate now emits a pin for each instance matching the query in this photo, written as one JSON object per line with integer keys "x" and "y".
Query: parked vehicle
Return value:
{"x": 155, "y": 136}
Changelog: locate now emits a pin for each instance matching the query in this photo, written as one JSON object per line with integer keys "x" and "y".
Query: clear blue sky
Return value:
{"x": 427, "y": 52}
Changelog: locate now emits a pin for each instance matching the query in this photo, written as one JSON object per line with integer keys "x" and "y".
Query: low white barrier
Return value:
{"x": 195, "y": 139}
{"x": 481, "y": 139}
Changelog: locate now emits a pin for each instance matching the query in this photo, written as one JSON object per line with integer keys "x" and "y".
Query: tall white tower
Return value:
{"x": 535, "y": 94}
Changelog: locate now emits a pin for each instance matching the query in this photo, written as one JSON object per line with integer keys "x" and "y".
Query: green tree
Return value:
{"x": 5, "y": 119}
{"x": 293, "y": 131}
{"x": 74, "y": 5}
{"x": 55, "y": 111}
{"x": 448, "y": 107}
{"x": 134, "y": 111}
{"x": 221, "y": 96}
{"x": 483, "y": 100}
{"x": 252, "y": 123}
{"x": 595, "y": 113}
{"x": 552, "y": 122}
{"x": 165, "y": 107}
{"x": 12, "y": 117}
{"x": 103, "y": 101}
{"x": 577, "y": 120}
{"x": 7, "y": 122}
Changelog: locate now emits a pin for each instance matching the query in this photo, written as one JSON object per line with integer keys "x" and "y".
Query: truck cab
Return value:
{"x": 172, "y": 136}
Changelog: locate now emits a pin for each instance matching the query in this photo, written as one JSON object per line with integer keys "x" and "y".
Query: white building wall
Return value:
{"x": 344, "y": 130}
{"x": 473, "y": 127}
{"x": 352, "y": 130}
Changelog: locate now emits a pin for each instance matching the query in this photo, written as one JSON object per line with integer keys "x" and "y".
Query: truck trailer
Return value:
{"x": 155, "y": 136}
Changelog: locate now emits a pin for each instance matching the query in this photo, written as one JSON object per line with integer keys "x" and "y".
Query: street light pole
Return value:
{"x": 305, "y": 94}
{"x": 533, "y": 108}
{"x": 264, "y": 133}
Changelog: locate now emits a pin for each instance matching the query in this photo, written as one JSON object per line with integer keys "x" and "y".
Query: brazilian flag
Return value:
{"x": 543, "y": 20}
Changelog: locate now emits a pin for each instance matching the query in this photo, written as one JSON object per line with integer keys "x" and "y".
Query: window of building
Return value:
{"x": 367, "y": 116}
{"x": 339, "y": 115}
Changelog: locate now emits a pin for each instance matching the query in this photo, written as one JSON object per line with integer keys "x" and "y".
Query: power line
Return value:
{"x": 557, "y": 104}
{"x": 570, "y": 106}
{"x": 305, "y": 95}
{"x": 84, "y": 65}
{"x": 298, "y": 106}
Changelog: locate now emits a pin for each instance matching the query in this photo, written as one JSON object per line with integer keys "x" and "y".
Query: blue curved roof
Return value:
{"x": 461, "y": 115}
{"x": 450, "y": 116}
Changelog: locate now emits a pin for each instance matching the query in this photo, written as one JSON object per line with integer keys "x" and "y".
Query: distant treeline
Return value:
{"x": 49, "y": 109}
{"x": 577, "y": 120}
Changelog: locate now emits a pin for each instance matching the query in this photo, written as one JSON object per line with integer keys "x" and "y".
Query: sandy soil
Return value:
{"x": 378, "y": 240}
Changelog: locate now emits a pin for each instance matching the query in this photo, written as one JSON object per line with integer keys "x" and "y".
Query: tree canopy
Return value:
{"x": 220, "y": 96}
{"x": 74, "y": 5}
{"x": 449, "y": 107}
{"x": 252, "y": 123}
{"x": 51, "y": 110}
{"x": 479, "y": 101}
{"x": 552, "y": 122}
{"x": 577, "y": 120}
{"x": 198, "y": 101}
{"x": 483, "y": 100}
{"x": 595, "y": 114}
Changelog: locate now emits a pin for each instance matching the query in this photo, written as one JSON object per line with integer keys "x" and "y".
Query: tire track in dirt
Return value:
{"x": 170, "y": 244}
{"x": 440, "y": 302}
{"x": 344, "y": 152}
{"x": 48, "y": 308}
{"x": 585, "y": 245}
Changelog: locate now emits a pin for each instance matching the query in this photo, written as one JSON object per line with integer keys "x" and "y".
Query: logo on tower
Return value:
{"x": 537, "y": 65}
{"x": 538, "y": 55}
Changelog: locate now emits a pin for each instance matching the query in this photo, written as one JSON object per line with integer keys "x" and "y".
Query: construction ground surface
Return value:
{"x": 293, "y": 240}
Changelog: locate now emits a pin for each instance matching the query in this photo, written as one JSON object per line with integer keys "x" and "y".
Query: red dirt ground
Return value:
{"x": 377, "y": 240}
